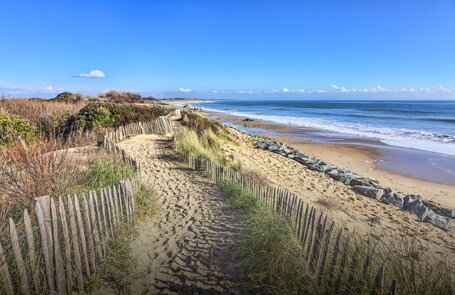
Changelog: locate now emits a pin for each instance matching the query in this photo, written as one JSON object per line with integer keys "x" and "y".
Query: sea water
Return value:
{"x": 422, "y": 128}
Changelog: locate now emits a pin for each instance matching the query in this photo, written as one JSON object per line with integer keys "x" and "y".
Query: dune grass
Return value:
{"x": 103, "y": 171}
{"x": 207, "y": 145}
{"x": 272, "y": 254}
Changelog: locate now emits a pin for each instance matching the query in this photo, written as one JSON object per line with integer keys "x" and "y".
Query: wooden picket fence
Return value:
{"x": 56, "y": 249}
{"x": 339, "y": 262}
{"x": 161, "y": 125}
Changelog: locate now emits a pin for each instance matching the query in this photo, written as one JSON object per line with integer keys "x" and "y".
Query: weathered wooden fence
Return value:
{"x": 161, "y": 125}
{"x": 58, "y": 247}
{"x": 339, "y": 262}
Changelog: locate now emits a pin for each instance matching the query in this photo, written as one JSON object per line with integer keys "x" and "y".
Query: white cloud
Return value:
{"x": 91, "y": 74}
{"x": 245, "y": 91}
{"x": 285, "y": 90}
{"x": 51, "y": 89}
{"x": 184, "y": 90}
{"x": 443, "y": 88}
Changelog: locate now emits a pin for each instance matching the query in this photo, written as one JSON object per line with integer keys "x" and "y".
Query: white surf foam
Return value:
{"x": 399, "y": 137}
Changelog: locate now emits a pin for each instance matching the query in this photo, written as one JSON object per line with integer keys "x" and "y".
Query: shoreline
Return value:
{"x": 360, "y": 158}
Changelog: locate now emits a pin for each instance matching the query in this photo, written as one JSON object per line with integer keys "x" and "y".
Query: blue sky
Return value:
{"x": 221, "y": 49}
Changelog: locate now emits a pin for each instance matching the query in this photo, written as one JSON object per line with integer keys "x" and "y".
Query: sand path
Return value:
{"x": 190, "y": 247}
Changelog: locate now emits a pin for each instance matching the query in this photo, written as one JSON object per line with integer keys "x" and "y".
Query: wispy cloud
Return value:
{"x": 184, "y": 90}
{"x": 379, "y": 89}
{"x": 91, "y": 74}
{"x": 51, "y": 89}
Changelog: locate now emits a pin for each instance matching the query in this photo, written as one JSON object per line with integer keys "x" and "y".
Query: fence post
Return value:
{"x": 44, "y": 245}
{"x": 25, "y": 287}
{"x": 75, "y": 242}
{"x": 4, "y": 273}
{"x": 89, "y": 233}
{"x": 69, "y": 273}
{"x": 31, "y": 250}
{"x": 60, "y": 276}
{"x": 45, "y": 205}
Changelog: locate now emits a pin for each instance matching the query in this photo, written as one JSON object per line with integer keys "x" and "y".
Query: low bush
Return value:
{"x": 68, "y": 97}
{"x": 120, "y": 97}
{"x": 14, "y": 128}
{"x": 112, "y": 115}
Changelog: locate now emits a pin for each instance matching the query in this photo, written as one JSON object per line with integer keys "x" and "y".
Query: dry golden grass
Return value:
{"x": 48, "y": 117}
{"x": 37, "y": 169}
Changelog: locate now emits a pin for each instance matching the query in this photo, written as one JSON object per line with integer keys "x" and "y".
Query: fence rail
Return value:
{"x": 336, "y": 259}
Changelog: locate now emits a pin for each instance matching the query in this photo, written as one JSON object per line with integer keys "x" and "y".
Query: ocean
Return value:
{"x": 421, "y": 125}
{"x": 413, "y": 138}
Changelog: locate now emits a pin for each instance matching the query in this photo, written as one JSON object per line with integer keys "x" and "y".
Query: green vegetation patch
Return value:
{"x": 103, "y": 172}
{"x": 207, "y": 145}
{"x": 14, "y": 128}
{"x": 112, "y": 115}
{"x": 146, "y": 203}
{"x": 272, "y": 255}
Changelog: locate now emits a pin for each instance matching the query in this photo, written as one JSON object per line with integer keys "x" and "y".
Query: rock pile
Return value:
{"x": 425, "y": 210}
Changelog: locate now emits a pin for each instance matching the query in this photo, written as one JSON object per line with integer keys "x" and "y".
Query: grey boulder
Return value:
{"x": 371, "y": 192}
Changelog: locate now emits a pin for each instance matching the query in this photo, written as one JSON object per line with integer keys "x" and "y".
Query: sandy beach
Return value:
{"x": 360, "y": 159}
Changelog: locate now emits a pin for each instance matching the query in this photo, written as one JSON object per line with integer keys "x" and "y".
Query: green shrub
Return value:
{"x": 14, "y": 128}
{"x": 112, "y": 115}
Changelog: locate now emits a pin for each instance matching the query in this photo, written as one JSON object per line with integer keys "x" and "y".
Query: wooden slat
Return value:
{"x": 120, "y": 201}
{"x": 59, "y": 270}
{"x": 310, "y": 236}
{"x": 66, "y": 240}
{"x": 75, "y": 243}
{"x": 333, "y": 262}
{"x": 378, "y": 286}
{"x": 100, "y": 223}
{"x": 304, "y": 223}
{"x": 44, "y": 245}
{"x": 393, "y": 288}
{"x": 25, "y": 287}
{"x": 45, "y": 205}
{"x": 89, "y": 234}
{"x": 116, "y": 204}
{"x": 307, "y": 227}
{"x": 31, "y": 251}
{"x": 80, "y": 222}
{"x": 109, "y": 206}
{"x": 4, "y": 274}
{"x": 94, "y": 224}
{"x": 325, "y": 250}
{"x": 104, "y": 207}
{"x": 353, "y": 268}
{"x": 344, "y": 258}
